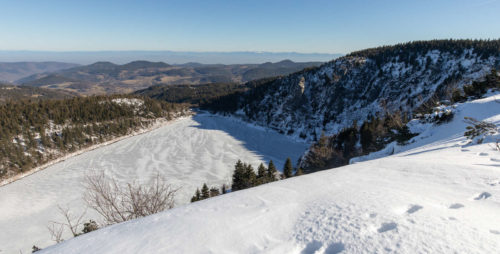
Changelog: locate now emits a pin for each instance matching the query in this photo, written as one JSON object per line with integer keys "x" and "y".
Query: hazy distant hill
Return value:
{"x": 172, "y": 57}
{"x": 11, "y": 71}
{"x": 107, "y": 77}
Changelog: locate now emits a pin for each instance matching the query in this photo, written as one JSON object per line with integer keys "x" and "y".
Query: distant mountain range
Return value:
{"x": 108, "y": 78}
{"x": 172, "y": 57}
{"x": 12, "y": 71}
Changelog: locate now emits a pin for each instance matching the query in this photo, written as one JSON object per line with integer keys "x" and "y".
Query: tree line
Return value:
{"x": 34, "y": 132}
{"x": 245, "y": 176}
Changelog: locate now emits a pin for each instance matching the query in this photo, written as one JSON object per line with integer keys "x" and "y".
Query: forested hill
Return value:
{"x": 109, "y": 78}
{"x": 32, "y": 133}
{"x": 16, "y": 93}
{"x": 363, "y": 84}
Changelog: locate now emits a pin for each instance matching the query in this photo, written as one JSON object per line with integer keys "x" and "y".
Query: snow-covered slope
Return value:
{"x": 353, "y": 88}
{"x": 440, "y": 196}
{"x": 188, "y": 152}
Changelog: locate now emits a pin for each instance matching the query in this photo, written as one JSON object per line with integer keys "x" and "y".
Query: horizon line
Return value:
{"x": 173, "y": 51}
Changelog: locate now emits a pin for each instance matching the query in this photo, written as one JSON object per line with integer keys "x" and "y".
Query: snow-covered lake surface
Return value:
{"x": 438, "y": 196}
{"x": 189, "y": 151}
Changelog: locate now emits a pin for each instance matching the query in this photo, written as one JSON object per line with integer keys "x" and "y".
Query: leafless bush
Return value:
{"x": 478, "y": 128}
{"x": 71, "y": 222}
{"x": 56, "y": 231}
{"x": 118, "y": 203}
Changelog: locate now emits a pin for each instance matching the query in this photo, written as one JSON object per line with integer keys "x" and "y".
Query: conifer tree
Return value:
{"x": 261, "y": 174}
{"x": 205, "y": 192}
{"x": 193, "y": 199}
{"x": 288, "y": 168}
{"x": 249, "y": 176}
{"x": 238, "y": 176}
{"x": 197, "y": 194}
{"x": 299, "y": 172}
{"x": 271, "y": 172}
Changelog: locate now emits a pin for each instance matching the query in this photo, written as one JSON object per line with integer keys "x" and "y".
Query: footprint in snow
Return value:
{"x": 334, "y": 248}
{"x": 413, "y": 209}
{"x": 456, "y": 206}
{"x": 493, "y": 182}
{"x": 494, "y": 159}
{"x": 387, "y": 227}
{"x": 482, "y": 154}
{"x": 312, "y": 247}
{"x": 483, "y": 195}
{"x": 495, "y": 232}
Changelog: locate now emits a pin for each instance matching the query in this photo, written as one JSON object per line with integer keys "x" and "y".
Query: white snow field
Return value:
{"x": 188, "y": 151}
{"x": 440, "y": 196}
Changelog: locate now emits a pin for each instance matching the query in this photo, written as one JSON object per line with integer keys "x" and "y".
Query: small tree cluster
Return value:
{"x": 373, "y": 135}
{"x": 208, "y": 192}
{"x": 244, "y": 177}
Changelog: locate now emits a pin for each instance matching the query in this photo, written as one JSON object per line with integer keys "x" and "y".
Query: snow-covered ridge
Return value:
{"x": 333, "y": 96}
{"x": 439, "y": 194}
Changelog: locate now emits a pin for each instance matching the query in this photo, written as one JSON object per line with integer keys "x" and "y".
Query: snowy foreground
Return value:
{"x": 440, "y": 196}
{"x": 188, "y": 152}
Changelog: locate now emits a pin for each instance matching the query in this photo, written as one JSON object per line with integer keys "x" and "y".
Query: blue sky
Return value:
{"x": 208, "y": 25}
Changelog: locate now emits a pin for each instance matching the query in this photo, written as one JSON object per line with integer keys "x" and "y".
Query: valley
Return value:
{"x": 405, "y": 136}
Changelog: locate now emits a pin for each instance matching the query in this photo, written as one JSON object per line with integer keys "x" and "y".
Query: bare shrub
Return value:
{"x": 118, "y": 203}
{"x": 56, "y": 231}
{"x": 71, "y": 222}
{"x": 479, "y": 129}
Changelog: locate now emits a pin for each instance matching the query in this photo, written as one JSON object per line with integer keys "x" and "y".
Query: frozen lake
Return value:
{"x": 189, "y": 152}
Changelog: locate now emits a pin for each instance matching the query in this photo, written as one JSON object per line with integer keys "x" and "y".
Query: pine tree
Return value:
{"x": 193, "y": 199}
{"x": 197, "y": 194}
{"x": 299, "y": 172}
{"x": 249, "y": 176}
{"x": 271, "y": 172}
{"x": 261, "y": 174}
{"x": 288, "y": 168}
{"x": 238, "y": 176}
{"x": 205, "y": 192}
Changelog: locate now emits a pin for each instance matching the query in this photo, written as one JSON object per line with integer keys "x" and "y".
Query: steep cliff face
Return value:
{"x": 363, "y": 84}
